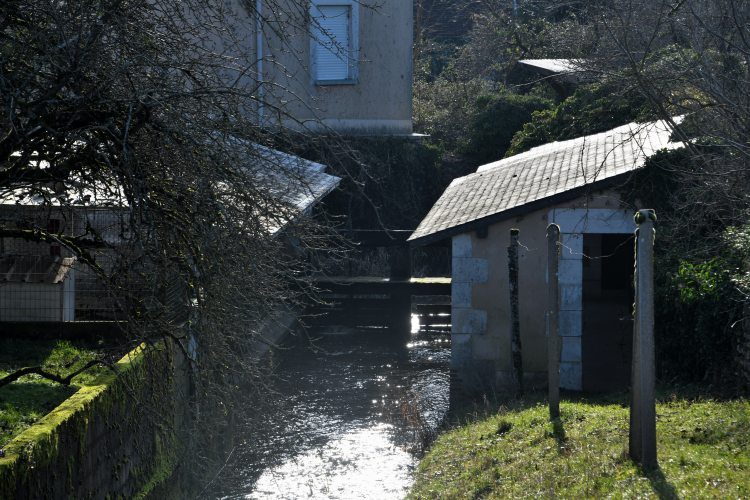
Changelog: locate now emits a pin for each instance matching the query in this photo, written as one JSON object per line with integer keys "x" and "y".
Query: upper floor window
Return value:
{"x": 335, "y": 42}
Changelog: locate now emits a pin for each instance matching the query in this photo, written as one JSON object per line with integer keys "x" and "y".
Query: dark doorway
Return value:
{"x": 607, "y": 337}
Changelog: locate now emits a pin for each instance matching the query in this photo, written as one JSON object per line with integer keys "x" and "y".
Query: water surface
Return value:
{"x": 343, "y": 430}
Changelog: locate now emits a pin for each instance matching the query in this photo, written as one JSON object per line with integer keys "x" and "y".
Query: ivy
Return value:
{"x": 698, "y": 306}
{"x": 591, "y": 109}
{"x": 496, "y": 119}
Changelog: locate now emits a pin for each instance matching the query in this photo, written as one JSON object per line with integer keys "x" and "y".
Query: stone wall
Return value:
{"x": 111, "y": 439}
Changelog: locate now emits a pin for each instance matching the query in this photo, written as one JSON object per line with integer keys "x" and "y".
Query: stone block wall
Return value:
{"x": 480, "y": 331}
{"x": 467, "y": 324}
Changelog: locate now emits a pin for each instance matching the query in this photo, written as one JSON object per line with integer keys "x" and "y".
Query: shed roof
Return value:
{"x": 539, "y": 177}
{"x": 571, "y": 70}
{"x": 286, "y": 178}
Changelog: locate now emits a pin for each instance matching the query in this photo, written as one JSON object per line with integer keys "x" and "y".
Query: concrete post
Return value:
{"x": 643, "y": 397}
{"x": 553, "y": 300}
{"x": 515, "y": 328}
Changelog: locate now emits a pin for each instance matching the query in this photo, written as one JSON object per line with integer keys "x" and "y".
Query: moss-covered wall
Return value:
{"x": 113, "y": 439}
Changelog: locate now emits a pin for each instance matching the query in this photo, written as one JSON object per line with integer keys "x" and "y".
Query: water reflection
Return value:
{"x": 358, "y": 463}
{"x": 342, "y": 431}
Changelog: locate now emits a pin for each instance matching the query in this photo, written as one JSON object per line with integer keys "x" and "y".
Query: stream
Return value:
{"x": 354, "y": 404}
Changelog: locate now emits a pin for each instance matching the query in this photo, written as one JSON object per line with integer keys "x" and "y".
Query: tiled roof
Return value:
{"x": 539, "y": 177}
{"x": 292, "y": 180}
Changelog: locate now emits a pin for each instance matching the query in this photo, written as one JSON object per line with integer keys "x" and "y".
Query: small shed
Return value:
{"x": 37, "y": 288}
{"x": 563, "y": 75}
{"x": 573, "y": 184}
{"x": 37, "y": 279}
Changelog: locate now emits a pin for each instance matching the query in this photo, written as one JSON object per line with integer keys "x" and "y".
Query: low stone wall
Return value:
{"x": 112, "y": 439}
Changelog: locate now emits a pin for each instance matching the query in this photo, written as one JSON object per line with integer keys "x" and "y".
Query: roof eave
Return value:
{"x": 516, "y": 211}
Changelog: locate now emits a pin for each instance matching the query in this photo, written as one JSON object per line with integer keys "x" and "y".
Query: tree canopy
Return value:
{"x": 145, "y": 115}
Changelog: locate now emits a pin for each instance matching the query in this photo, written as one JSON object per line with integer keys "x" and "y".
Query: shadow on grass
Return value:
{"x": 558, "y": 433}
{"x": 659, "y": 483}
{"x": 27, "y": 397}
{"x": 17, "y": 353}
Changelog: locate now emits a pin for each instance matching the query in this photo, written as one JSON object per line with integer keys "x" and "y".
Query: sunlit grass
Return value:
{"x": 31, "y": 397}
{"x": 514, "y": 451}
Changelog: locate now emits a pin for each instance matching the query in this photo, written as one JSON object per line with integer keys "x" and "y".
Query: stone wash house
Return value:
{"x": 572, "y": 184}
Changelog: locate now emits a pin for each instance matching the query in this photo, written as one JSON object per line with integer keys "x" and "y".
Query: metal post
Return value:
{"x": 553, "y": 340}
{"x": 643, "y": 396}
{"x": 515, "y": 329}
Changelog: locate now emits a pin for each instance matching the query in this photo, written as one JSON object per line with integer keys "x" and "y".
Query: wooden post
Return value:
{"x": 515, "y": 328}
{"x": 553, "y": 340}
{"x": 643, "y": 396}
{"x": 400, "y": 311}
{"x": 400, "y": 261}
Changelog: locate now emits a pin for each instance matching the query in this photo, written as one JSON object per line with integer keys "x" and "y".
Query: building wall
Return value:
{"x": 480, "y": 304}
{"x": 381, "y": 100}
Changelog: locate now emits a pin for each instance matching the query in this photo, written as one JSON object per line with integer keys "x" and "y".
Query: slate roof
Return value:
{"x": 299, "y": 182}
{"x": 539, "y": 177}
{"x": 294, "y": 181}
{"x": 569, "y": 70}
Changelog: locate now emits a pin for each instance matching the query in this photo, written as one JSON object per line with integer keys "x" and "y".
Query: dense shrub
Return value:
{"x": 389, "y": 182}
{"x": 699, "y": 273}
{"x": 591, "y": 109}
{"x": 496, "y": 119}
{"x": 443, "y": 105}
{"x": 698, "y": 306}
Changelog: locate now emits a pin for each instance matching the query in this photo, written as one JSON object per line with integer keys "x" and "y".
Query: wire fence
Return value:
{"x": 44, "y": 281}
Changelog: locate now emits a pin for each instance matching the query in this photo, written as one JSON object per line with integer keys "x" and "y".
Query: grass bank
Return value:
{"x": 29, "y": 398}
{"x": 512, "y": 450}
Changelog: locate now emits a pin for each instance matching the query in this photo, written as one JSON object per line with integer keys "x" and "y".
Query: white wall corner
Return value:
{"x": 571, "y": 298}
{"x": 570, "y": 323}
{"x": 461, "y": 294}
{"x": 572, "y": 246}
{"x": 462, "y": 245}
{"x": 571, "y": 376}
{"x": 570, "y": 272}
{"x": 471, "y": 321}
{"x": 593, "y": 220}
{"x": 571, "y": 350}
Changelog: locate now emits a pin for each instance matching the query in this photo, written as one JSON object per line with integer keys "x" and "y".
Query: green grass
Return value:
{"x": 514, "y": 451}
{"x": 28, "y": 399}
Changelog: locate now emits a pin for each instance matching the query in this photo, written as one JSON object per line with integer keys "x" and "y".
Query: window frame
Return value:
{"x": 353, "y": 49}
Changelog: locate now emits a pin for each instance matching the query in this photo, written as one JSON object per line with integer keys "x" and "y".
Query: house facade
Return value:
{"x": 338, "y": 65}
{"x": 572, "y": 184}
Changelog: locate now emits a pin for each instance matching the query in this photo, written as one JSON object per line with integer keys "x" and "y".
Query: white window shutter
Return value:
{"x": 332, "y": 58}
